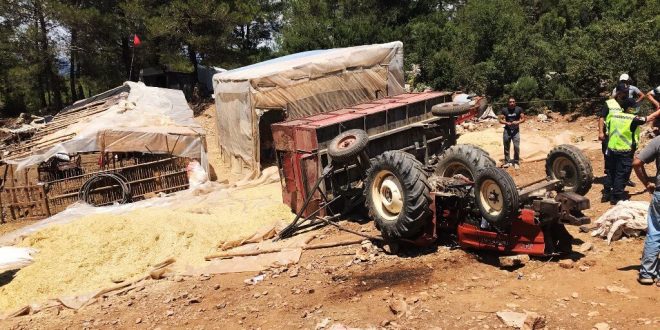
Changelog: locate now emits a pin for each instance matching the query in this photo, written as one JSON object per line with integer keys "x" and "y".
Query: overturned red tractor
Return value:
{"x": 416, "y": 182}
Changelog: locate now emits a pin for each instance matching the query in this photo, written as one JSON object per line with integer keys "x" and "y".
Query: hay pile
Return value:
{"x": 92, "y": 252}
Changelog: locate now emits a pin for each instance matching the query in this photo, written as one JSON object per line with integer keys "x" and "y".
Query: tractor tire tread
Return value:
{"x": 470, "y": 155}
{"x": 342, "y": 156}
{"x": 585, "y": 171}
{"x": 417, "y": 194}
{"x": 511, "y": 199}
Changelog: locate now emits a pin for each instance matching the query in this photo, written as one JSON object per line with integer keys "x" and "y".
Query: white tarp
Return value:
{"x": 147, "y": 119}
{"x": 625, "y": 218}
{"x": 301, "y": 84}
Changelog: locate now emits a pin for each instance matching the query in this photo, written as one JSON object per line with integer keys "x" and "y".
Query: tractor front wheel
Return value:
{"x": 496, "y": 196}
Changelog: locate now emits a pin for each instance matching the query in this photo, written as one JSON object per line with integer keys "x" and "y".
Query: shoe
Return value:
{"x": 506, "y": 165}
{"x": 631, "y": 184}
{"x": 516, "y": 166}
{"x": 645, "y": 280}
{"x": 605, "y": 199}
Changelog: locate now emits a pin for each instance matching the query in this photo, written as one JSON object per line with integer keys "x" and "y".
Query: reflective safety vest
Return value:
{"x": 620, "y": 137}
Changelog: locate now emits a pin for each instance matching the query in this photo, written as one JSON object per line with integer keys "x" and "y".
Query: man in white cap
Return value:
{"x": 633, "y": 91}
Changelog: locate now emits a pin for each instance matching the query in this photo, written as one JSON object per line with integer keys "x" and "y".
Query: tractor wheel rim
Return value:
{"x": 565, "y": 170}
{"x": 346, "y": 142}
{"x": 491, "y": 197}
{"x": 387, "y": 195}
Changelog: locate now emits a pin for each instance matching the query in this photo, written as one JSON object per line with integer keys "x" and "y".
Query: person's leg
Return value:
{"x": 603, "y": 147}
{"x": 618, "y": 185}
{"x": 610, "y": 168}
{"x": 627, "y": 168}
{"x": 649, "y": 267}
{"x": 507, "y": 146}
{"x": 516, "y": 148}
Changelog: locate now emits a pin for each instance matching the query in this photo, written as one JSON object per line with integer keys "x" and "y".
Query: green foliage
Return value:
{"x": 525, "y": 88}
{"x": 53, "y": 52}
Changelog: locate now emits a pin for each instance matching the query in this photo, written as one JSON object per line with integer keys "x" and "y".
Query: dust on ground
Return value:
{"x": 439, "y": 287}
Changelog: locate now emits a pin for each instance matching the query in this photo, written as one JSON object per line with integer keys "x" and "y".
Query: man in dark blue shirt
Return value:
{"x": 511, "y": 117}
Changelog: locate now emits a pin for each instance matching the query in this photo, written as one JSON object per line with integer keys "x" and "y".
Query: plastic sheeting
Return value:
{"x": 147, "y": 119}
{"x": 301, "y": 85}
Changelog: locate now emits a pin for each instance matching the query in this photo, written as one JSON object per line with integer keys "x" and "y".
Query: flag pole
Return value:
{"x": 130, "y": 71}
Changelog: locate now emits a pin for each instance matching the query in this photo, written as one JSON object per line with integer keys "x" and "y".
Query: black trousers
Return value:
{"x": 618, "y": 167}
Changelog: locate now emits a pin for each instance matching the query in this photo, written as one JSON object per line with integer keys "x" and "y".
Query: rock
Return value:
{"x": 593, "y": 313}
{"x": 585, "y": 247}
{"x": 324, "y": 323}
{"x": 512, "y": 261}
{"x": 293, "y": 272}
{"x": 169, "y": 312}
{"x": 602, "y": 326}
{"x": 567, "y": 264}
{"x": 617, "y": 289}
{"x": 512, "y": 319}
{"x": 574, "y": 295}
{"x": 541, "y": 117}
{"x": 526, "y": 321}
{"x": 533, "y": 321}
{"x": 115, "y": 279}
{"x": 583, "y": 268}
{"x": 221, "y": 305}
{"x": 398, "y": 307}
{"x": 138, "y": 320}
{"x": 216, "y": 287}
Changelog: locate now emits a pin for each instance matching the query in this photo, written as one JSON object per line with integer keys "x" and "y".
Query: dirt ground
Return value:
{"x": 441, "y": 287}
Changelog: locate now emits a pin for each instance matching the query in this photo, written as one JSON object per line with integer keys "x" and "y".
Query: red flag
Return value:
{"x": 136, "y": 40}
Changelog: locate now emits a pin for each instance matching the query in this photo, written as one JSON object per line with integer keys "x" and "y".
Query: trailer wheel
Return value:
{"x": 449, "y": 109}
{"x": 568, "y": 164}
{"x": 347, "y": 145}
{"x": 465, "y": 159}
{"x": 496, "y": 195}
{"x": 398, "y": 194}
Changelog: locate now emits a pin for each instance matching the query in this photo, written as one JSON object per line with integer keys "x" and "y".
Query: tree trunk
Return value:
{"x": 192, "y": 56}
{"x": 41, "y": 85}
{"x": 72, "y": 66}
{"x": 48, "y": 68}
{"x": 126, "y": 57}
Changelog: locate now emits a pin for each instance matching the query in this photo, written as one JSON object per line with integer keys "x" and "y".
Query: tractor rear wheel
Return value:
{"x": 346, "y": 146}
{"x": 465, "y": 159}
{"x": 398, "y": 194}
{"x": 496, "y": 196}
{"x": 568, "y": 164}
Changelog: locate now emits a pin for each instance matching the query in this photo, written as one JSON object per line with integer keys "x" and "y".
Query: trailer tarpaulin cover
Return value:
{"x": 301, "y": 84}
{"x": 135, "y": 118}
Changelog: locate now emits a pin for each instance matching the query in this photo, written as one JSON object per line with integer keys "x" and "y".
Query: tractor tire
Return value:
{"x": 496, "y": 196}
{"x": 450, "y": 109}
{"x": 572, "y": 167}
{"x": 397, "y": 194}
{"x": 465, "y": 159}
{"x": 346, "y": 146}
